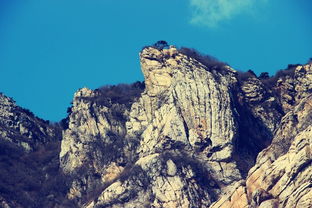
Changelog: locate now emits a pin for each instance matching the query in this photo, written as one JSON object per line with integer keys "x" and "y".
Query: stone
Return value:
{"x": 194, "y": 134}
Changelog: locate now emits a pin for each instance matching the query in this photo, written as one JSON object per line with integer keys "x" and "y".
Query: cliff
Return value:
{"x": 29, "y": 166}
{"x": 196, "y": 133}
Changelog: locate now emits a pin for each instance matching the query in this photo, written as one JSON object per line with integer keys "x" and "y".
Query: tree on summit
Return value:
{"x": 161, "y": 44}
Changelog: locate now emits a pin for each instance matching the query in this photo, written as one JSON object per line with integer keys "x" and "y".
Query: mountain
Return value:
{"x": 195, "y": 133}
{"x": 29, "y": 162}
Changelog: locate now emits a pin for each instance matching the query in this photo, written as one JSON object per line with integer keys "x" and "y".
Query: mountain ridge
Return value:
{"x": 195, "y": 134}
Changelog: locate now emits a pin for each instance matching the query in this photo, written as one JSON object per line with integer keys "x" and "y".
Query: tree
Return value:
{"x": 264, "y": 75}
{"x": 161, "y": 44}
{"x": 252, "y": 72}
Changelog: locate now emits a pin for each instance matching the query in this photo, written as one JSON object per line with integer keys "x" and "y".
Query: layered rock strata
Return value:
{"x": 182, "y": 143}
{"x": 282, "y": 175}
{"x": 197, "y": 133}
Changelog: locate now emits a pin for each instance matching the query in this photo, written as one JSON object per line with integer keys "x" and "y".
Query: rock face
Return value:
{"x": 282, "y": 175}
{"x": 29, "y": 164}
{"x": 195, "y": 134}
{"x": 176, "y": 118}
{"x": 21, "y": 127}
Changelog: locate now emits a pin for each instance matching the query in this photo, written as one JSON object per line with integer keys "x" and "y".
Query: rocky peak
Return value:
{"x": 161, "y": 66}
{"x": 177, "y": 116}
{"x": 29, "y": 149}
{"x": 22, "y": 127}
{"x": 83, "y": 92}
{"x": 157, "y": 68}
{"x": 6, "y": 102}
{"x": 188, "y": 126}
{"x": 194, "y": 134}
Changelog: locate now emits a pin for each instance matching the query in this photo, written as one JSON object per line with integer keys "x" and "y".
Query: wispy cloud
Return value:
{"x": 212, "y": 12}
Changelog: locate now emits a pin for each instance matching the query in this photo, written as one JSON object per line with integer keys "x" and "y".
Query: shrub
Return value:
{"x": 244, "y": 76}
{"x": 264, "y": 75}
{"x": 287, "y": 72}
{"x": 206, "y": 60}
{"x": 23, "y": 175}
{"x": 271, "y": 81}
{"x": 121, "y": 94}
{"x": 251, "y": 72}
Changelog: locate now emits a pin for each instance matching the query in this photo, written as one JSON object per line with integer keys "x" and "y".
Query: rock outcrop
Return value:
{"x": 194, "y": 134}
{"x": 29, "y": 163}
{"x": 184, "y": 113}
{"x": 21, "y": 127}
{"x": 282, "y": 175}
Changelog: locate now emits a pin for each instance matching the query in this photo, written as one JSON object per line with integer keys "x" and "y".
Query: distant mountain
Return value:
{"x": 196, "y": 133}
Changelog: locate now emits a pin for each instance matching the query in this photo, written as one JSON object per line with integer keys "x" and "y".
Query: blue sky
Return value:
{"x": 51, "y": 48}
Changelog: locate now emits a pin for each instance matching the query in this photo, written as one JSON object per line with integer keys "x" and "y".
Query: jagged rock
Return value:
{"x": 254, "y": 91}
{"x": 186, "y": 107}
{"x": 20, "y": 126}
{"x": 195, "y": 134}
{"x": 287, "y": 93}
{"x": 186, "y": 110}
{"x": 187, "y": 113}
{"x": 92, "y": 147}
{"x": 262, "y": 103}
{"x": 303, "y": 87}
{"x": 282, "y": 174}
{"x": 237, "y": 196}
{"x": 294, "y": 87}
{"x": 29, "y": 149}
{"x": 149, "y": 184}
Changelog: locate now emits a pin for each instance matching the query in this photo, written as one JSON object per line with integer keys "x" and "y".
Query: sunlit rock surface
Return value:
{"x": 196, "y": 133}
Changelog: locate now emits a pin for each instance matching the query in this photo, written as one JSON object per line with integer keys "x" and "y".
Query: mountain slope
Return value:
{"x": 29, "y": 165}
{"x": 196, "y": 133}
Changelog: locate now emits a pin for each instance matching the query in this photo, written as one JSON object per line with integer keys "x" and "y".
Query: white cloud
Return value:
{"x": 212, "y": 12}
